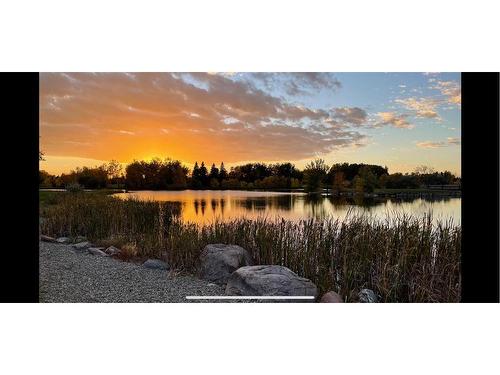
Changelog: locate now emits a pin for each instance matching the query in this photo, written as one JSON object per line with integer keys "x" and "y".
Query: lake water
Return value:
{"x": 204, "y": 206}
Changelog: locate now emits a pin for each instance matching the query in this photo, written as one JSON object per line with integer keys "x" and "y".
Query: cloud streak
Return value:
{"x": 451, "y": 141}
{"x": 294, "y": 84}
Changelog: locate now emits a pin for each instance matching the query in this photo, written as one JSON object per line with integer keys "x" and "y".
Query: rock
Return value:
{"x": 97, "y": 251}
{"x": 64, "y": 240}
{"x": 112, "y": 250}
{"x": 367, "y": 296}
{"x": 331, "y": 297}
{"x": 269, "y": 281}
{"x": 82, "y": 245}
{"x": 78, "y": 239}
{"x": 45, "y": 238}
{"x": 219, "y": 261}
{"x": 155, "y": 264}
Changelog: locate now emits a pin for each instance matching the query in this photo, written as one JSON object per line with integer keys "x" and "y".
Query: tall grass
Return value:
{"x": 402, "y": 258}
{"x": 100, "y": 217}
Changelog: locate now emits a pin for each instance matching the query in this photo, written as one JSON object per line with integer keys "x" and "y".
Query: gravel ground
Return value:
{"x": 68, "y": 275}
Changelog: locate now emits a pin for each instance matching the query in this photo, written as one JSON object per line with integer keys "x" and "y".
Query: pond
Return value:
{"x": 205, "y": 206}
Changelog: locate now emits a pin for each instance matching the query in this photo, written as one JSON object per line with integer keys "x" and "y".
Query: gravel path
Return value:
{"x": 68, "y": 275}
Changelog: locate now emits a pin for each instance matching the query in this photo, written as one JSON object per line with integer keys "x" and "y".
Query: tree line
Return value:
{"x": 171, "y": 174}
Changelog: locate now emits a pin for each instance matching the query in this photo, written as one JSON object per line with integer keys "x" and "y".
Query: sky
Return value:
{"x": 398, "y": 120}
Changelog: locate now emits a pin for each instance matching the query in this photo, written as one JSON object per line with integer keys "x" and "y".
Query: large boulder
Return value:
{"x": 367, "y": 296}
{"x": 331, "y": 297}
{"x": 269, "y": 281}
{"x": 219, "y": 261}
{"x": 155, "y": 264}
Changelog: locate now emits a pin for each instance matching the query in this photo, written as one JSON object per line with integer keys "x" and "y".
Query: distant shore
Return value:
{"x": 424, "y": 192}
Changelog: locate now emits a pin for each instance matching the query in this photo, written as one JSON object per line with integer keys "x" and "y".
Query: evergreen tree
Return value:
{"x": 195, "y": 178}
{"x": 214, "y": 172}
{"x": 222, "y": 172}
{"x": 203, "y": 175}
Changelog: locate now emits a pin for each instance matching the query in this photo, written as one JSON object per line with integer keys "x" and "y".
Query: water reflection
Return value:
{"x": 204, "y": 206}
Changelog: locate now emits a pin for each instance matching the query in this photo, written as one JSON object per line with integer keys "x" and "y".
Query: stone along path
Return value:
{"x": 71, "y": 275}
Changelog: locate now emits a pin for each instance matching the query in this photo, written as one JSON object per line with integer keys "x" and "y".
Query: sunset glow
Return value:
{"x": 401, "y": 120}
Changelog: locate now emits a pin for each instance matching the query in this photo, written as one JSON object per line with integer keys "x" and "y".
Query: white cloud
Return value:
{"x": 393, "y": 119}
{"x": 451, "y": 90}
{"x": 422, "y": 107}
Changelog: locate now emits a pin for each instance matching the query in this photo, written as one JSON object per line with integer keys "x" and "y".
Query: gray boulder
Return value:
{"x": 112, "y": 250}
{"x": 331, "y": 297}
{"x": 367, "y": 296}
{"x": 64, "y": 240}
{"x": 269, "y": 281}
{"x": 45, "y": 238}
{"x": 82, "y": 245}
{"x": 156, "y": 264}
{"x": 219, "y": 261}
{"x": 97, "y": 251}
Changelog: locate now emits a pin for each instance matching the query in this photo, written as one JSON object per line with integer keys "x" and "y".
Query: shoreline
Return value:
{"x": 377, "y": 193}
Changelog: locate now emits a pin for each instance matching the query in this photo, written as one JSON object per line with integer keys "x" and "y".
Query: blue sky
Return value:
{"x": 392, "y": 92}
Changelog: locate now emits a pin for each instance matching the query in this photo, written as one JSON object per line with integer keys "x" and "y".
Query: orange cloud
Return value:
{"x": 423, "y": 107}
{"x": 393, "y": 119}
{"x": 190, "y": 117}
{"x": 451, "y": 90}
{"x": 451, "y": 141}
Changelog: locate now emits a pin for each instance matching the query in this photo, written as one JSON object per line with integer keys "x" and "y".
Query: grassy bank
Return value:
{"x": 403, "y": 258}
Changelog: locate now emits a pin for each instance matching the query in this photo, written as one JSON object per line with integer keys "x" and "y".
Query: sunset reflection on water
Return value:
{"x": 205, "y": 206}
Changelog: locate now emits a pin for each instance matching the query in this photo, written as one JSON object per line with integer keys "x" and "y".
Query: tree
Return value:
{"x": 203, "y": 175}
{"x": 424, "y": 169}
{"x": 314, "y": 175}
{"x": 156, "y": 174}
{"x": 173, "y": 175}
{"x": 222, "y": 172}
{"x": 114, "y": 169}
{"x": 369, "y": 179}
{"x": 195, "y": 180}
{"x": 214, "y": 172}
{"x": 214, "y": 183}
{"x": 134, "y": 175}
{"x": 45, "y": 179}
{"x": 358, "y": 184}
{"x": 338, "y": 182}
